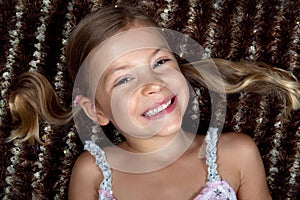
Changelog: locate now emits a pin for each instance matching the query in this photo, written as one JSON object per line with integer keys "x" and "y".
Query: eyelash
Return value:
{"x": 122, "y": 81}
{"x": 161, "y": 62}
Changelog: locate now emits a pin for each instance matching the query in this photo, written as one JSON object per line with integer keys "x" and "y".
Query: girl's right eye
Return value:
{"x": 122, "y": 81}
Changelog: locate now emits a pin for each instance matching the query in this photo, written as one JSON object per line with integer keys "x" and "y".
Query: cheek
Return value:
{"x": 124, "y": 112}
{"x": 104, "y": 102}
{"x": 121, "y": 103}
{"x": 185, "y": 94}
{"x": 179, "y": 84}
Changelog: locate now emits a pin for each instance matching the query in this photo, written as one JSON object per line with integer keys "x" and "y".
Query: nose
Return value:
{"x": 150, "y": 82}
{"x": 151, "y": 88}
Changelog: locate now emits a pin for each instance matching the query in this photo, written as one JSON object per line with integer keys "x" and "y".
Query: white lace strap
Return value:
{"x": 211, "y": 140}
{"x": 101, "y": 161}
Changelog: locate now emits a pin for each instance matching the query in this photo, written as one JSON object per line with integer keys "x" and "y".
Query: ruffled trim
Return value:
{"x": 211, "y": 140}
{"x": 105, "y": 190}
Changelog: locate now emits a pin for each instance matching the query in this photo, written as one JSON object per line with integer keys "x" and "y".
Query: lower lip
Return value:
{"x": 164, "y": 112}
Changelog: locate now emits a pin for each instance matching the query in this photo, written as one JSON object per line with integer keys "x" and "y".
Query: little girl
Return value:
{"x": 143, "y": 93}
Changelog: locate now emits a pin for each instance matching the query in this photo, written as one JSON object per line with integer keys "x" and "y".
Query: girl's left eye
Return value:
{"x": 160, "y": 62}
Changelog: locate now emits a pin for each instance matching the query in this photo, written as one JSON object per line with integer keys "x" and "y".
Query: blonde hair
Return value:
{"x": 254, "y": 77}
{"x": 34, "y": 98}
{"x": 31, "y": 100}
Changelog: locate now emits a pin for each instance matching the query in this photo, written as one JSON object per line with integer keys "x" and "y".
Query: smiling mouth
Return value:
{"x": 159, "y": 108}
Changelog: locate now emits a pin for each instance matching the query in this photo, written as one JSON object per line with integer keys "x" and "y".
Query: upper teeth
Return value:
{"x": 157, "y": 109}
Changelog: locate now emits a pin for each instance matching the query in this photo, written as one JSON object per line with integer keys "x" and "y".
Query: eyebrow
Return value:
{"x": 126, "y": 66}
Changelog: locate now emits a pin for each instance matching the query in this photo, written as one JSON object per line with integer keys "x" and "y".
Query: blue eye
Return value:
{"x": 160, "y": 62}
{"x": 122, "y": 81}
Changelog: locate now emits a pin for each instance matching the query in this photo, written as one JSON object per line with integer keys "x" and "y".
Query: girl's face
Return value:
{"x": 141, "y": 89}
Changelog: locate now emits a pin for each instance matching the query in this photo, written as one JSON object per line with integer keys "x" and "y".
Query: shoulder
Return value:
{"x": 242, "y": 165}
{"x": 238, "y": 148}
{"x": 86, "y": 176}
{"x": 85, "y": 162}
{"x": 232, "y": 141}
{"x": 87, "y": 167}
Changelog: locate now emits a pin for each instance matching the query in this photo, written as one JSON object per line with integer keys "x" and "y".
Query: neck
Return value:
{"x": 156, "y": 144}
{"x": 145, "y": 155}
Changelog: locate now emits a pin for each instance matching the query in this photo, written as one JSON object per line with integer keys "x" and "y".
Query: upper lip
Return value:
{"x": 158, "y": 103}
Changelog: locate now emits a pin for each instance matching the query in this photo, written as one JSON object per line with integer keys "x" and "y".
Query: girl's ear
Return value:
{"x": 90, "y": 110}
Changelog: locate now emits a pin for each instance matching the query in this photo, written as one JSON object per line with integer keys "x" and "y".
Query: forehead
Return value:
{"x": 126, "y": 42}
